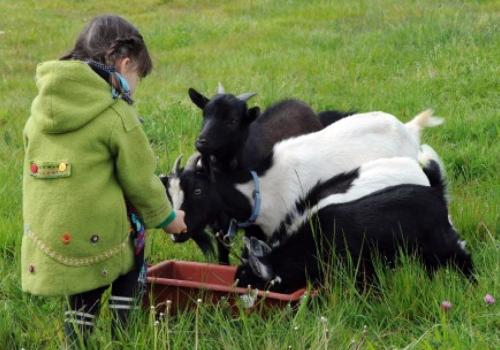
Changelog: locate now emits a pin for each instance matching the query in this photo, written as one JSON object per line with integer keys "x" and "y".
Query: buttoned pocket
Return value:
{"x": 50, "y": 170}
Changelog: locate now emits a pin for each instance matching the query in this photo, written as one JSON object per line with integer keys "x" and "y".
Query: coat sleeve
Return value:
{"x": 135, "y": 165}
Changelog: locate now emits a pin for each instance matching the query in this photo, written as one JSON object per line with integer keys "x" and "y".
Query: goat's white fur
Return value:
{"x": 427, "y": 154}
{"x": 373, "y": 176}
{"x": 299, "y": 163}
{"x": 176, "y": 193}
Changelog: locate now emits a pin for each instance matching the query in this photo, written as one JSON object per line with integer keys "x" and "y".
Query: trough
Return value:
{"x": 184, "y": 282}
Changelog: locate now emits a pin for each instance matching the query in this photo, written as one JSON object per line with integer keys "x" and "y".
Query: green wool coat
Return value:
{"x": 84, "y": 153}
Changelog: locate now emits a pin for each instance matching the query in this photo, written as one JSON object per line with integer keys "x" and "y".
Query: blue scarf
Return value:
{"x": 105, "y": 72}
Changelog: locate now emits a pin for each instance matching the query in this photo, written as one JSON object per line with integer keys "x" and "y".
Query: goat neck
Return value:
{"x": 231, "y": 159}
{"x": 234, "y": 203}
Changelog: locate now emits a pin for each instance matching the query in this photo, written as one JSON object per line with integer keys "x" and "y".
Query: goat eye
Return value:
{"x": 197, "y": 192}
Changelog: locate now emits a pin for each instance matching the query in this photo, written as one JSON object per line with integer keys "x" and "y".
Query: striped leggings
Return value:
{"x": 83, "y": 308}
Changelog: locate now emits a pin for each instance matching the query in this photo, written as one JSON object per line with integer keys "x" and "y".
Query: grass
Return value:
{"x": 397, "y": 56}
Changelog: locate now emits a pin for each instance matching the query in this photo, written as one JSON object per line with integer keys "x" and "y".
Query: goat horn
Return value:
{"x": 220, "y": 89}
{"x": 177, "y": 163}
{"x": 192, "y": 161}
{"x": 246, "y": 96}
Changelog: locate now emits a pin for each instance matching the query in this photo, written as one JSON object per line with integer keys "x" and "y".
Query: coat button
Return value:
{"x": 94, "y": 238}
{"x": 66, "y": 238}
{"x": 34, "y": 168}
{"x": 31, "y": 268}
{"x": 62, "y": 167}
{"x": 104, "y": 273}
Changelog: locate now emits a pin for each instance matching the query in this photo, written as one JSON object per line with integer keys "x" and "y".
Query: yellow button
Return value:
{"x": 62, "y": 167}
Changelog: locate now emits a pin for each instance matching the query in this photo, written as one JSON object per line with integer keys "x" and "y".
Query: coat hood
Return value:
{"x": 70, "y": 94}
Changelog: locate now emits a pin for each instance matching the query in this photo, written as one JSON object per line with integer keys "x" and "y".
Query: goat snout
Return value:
{"x": 201, "y": 144}
{"x": 180, "y": 238}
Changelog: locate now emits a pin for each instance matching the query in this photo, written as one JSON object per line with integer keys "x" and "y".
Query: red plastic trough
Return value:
{"x": 183, "y": 282}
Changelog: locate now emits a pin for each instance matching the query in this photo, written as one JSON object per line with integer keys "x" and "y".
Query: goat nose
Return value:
{"x": 201, "y": 144}
{"x": 180, "y": 238}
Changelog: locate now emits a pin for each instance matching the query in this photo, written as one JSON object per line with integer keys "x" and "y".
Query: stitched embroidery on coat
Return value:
{"x": 49, "y": 170}
{"x": 75, "y": 261}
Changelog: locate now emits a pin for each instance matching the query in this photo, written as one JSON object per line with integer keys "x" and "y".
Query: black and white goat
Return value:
{"x": 296, "y": 165}
{"x": 410, "y": 218}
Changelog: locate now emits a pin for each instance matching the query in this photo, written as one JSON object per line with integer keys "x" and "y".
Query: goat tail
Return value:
{"x": 426, "y": 119}
{"x": 433, "y": 168}
{"x": 426, "y": 154}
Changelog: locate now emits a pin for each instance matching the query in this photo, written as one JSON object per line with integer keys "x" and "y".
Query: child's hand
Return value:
{"x": 178, "y": 225}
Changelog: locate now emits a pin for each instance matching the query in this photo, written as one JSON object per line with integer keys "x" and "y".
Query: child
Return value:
{"x": 87, "y": 160}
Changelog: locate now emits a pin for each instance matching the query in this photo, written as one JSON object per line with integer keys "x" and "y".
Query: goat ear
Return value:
{"x": 259, "y": 248}
{"x": 197, "y": 98}
{"x": 253, "y": 113}
{"x": 260, "y": 269}
{"x": 164, "y": 180}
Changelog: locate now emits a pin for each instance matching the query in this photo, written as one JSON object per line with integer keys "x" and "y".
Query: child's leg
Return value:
{"x": 81, "y": 315}
{"x": 124, "y": 292}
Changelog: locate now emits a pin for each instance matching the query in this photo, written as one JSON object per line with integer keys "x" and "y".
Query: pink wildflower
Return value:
{"x": 488, "y": 299}
{"x": 446, "y": 305}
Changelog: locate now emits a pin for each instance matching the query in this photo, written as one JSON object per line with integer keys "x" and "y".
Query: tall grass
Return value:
{"x": 397, "y": 56}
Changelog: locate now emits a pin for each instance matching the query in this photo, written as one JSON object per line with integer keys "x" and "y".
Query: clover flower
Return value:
{"x": 489, "y": 299}
{"x": 446, "y": 305}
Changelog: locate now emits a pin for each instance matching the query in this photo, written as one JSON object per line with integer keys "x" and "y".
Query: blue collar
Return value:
{"x": 234, "y": 224}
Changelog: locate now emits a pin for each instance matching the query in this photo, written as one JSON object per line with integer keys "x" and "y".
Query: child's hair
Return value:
{"x": 107, "y": 38}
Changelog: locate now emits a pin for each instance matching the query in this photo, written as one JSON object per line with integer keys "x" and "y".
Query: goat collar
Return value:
{"x": 234, "y": 224}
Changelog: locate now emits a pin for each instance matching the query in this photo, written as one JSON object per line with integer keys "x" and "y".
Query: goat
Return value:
{"x": 412, "y": 218}
{"x": 297, "y": 164}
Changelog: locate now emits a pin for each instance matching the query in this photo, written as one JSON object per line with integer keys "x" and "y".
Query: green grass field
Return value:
{"x": 398, "y": 56}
